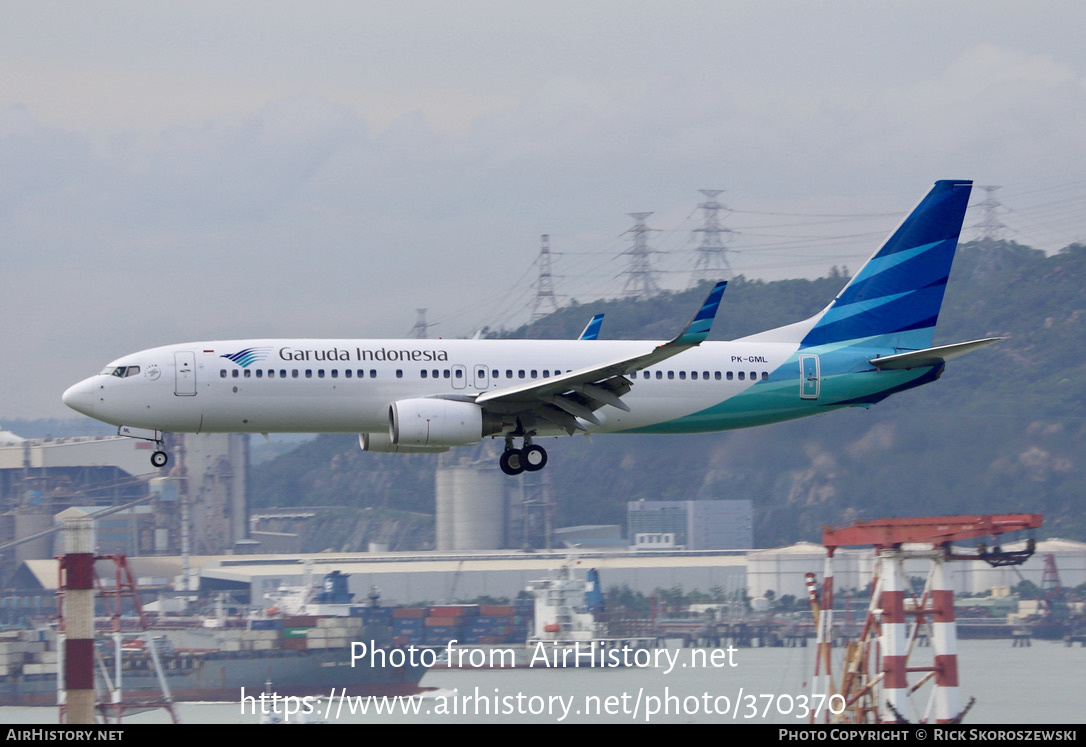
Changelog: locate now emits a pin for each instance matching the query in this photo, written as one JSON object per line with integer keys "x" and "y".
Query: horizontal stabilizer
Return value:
{"x": 930, "y": 356}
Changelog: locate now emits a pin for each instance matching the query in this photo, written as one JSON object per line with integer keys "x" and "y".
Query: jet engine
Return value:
{"x": 439, "y": 422}
{"x": 382, "y": 443}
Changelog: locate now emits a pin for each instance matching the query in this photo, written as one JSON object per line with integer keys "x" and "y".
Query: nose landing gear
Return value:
{"x": 159, "y": 457}
{"x": 513, "y": 461}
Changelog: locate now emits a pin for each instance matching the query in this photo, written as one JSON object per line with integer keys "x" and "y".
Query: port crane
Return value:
{"x": 876, "y": 682}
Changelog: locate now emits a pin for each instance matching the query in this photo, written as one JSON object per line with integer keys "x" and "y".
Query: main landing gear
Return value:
{"x": 531, "y": 458}
{"x": 159, "y": 458}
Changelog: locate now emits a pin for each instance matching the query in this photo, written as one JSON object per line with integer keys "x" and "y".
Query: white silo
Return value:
{"x": 470, "y": 508}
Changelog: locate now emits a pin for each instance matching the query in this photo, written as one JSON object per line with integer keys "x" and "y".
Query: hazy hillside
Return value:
{"x": 1003, "y": 430}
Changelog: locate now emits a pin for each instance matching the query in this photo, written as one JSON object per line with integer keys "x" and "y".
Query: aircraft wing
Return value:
{"x": 930, "y": 356}
{"x": 576, "y": 394}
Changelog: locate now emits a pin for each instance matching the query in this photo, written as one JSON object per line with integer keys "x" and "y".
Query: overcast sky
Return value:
{"x": 208, "y": 170}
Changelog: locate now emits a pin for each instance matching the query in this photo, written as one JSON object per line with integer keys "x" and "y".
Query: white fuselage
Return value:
{"x": 306, "y": 386}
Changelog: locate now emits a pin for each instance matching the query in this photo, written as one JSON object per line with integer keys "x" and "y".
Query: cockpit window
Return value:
{"x": 121, "y": 371}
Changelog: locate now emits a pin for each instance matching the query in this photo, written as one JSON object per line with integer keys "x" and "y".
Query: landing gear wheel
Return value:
{"x": 159, "y": 459}
{"x": 533, "y": 457}
{"x": 511, "y": 462}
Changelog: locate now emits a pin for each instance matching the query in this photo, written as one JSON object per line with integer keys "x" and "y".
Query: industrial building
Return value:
{"x": 199, "y": 506}
{"x": 691, "y": 525}
{"x": 414, "y": 578}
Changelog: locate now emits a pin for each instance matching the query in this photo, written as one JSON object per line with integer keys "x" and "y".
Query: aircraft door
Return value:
{"x": 185, "y": 374}
{"x": 459, "y": 376}
{"x": 481, "y": 377}
{"x": 809, "y": 377}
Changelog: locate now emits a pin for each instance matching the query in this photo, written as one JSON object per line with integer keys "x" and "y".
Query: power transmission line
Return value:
{"x": 640, "y": 276}
{"x": 712, "y": 262}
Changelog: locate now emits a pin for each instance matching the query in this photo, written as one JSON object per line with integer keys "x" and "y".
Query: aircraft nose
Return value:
{"x": 80, "y": 397}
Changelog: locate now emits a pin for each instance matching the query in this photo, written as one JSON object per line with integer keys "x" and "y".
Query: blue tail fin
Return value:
{"x": 897, "y": 294}
{"x": 592, "y": 330}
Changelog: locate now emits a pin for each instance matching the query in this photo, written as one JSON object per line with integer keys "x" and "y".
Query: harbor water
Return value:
{"x": 1041, "y": 684}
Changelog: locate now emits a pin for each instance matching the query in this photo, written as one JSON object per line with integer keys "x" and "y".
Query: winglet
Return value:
{"x": 592, "y": 331}
{"x": 698, "y": 328}
{"x": 590, "y": 381}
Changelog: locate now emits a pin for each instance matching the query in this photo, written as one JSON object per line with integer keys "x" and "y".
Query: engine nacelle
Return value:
{"x": 439, "y": 422}
{"x": 382, "y": 443}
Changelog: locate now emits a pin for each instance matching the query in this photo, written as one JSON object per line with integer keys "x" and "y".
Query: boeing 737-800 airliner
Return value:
{"x": 872, "y": 341}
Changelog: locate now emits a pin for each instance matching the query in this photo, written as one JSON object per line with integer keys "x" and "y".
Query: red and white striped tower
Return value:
{"x": 945, "y": 643}
{"x": 77, "y": 590}
{"x": 823, "y": 681}
{"x": 881, "y": 670}
{"x": 893, "y": 638}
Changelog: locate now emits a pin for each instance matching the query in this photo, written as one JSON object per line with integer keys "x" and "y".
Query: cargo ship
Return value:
{"x": 298, "y": 660}
{"x": 211, "y": 658}
{"x": 563, "y": 624}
